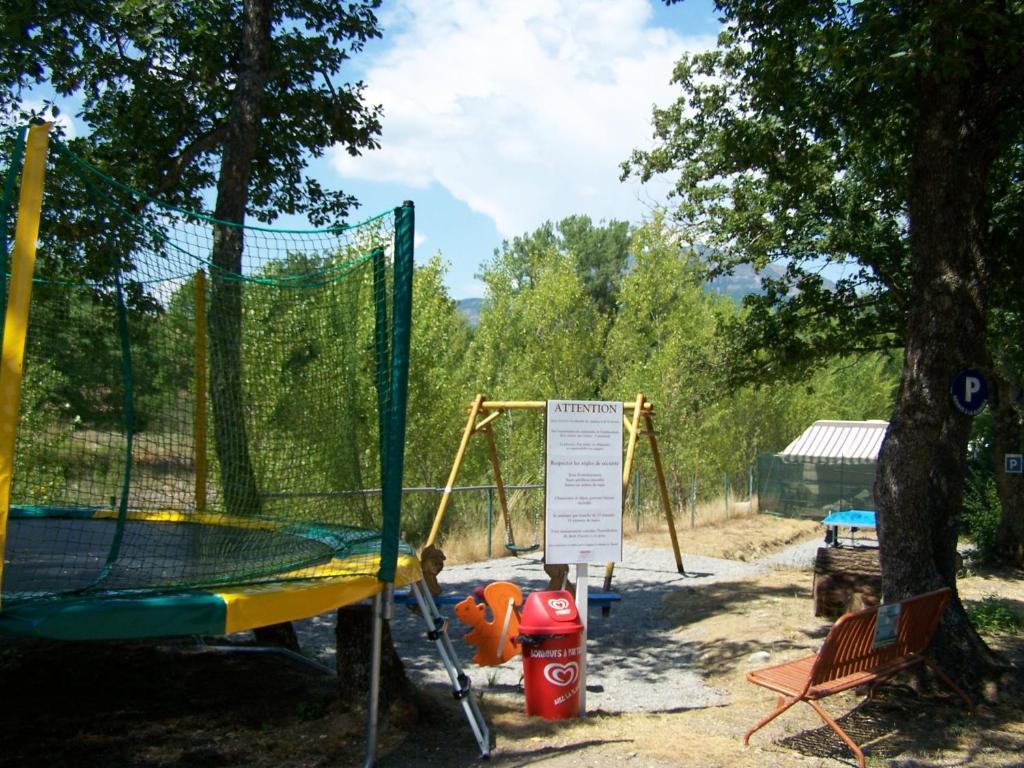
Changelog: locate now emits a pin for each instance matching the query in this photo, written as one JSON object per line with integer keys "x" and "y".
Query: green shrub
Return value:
{"x": 979, "y": 517}
{"x": 995, "y": 617}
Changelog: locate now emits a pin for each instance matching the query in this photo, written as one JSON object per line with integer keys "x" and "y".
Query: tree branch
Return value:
{"x": 179, "y": 164}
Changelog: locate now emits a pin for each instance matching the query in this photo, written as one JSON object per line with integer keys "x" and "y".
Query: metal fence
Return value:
{"x": 694, "y": 501}
{"x": 806, "y": 486}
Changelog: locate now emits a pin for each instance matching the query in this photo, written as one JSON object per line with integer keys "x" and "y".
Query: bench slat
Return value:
{"x": 789, "y": 679}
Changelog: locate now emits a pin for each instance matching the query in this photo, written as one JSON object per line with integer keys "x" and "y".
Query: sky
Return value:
{"x": 499, "y": 116}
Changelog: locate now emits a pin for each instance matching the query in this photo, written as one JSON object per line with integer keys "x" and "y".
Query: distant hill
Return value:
{"x": 745, "y": 281}
{"x": 470, "y": 308}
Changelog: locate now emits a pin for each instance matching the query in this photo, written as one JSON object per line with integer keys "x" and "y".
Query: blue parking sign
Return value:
{"x": 970, "y": 391}
{"x": 1013, "y": 464}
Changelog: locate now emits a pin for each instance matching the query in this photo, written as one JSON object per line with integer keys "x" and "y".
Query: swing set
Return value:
{"x": 638, "y": 420}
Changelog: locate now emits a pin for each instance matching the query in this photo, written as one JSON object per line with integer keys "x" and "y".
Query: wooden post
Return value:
{"x": 636, "y": 498}
{"x": 627, "y": 467}
{"x": 467, "y": 433}
{"x": 666, "y": 505}
{"x": 492, "y": 451}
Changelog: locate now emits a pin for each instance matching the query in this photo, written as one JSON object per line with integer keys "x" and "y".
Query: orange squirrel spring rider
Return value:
{"x": 494, "y": 637}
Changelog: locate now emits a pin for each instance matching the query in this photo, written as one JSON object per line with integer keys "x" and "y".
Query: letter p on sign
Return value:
{"x": 970, "y": 391}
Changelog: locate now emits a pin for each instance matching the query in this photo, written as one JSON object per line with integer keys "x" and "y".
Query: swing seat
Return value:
{"x": 522, "y": 549}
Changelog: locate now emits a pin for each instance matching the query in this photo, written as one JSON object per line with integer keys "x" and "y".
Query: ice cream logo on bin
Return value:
{"x": 562, "y": 674}
{"x": 559, "y": 605}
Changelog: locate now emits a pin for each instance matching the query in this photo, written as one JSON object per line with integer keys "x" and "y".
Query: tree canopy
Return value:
{"x": 156, "y": 83}
{"x": 873, "y": 136}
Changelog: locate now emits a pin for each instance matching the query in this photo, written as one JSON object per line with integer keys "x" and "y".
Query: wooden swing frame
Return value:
{"x": 638, "y": 420}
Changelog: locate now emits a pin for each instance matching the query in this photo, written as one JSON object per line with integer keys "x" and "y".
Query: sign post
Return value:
{"x": 583, "y": 495}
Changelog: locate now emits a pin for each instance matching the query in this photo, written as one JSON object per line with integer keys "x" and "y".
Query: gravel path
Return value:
{"x": 636, "y": 662}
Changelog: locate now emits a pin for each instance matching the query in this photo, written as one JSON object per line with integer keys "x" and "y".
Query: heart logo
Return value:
{"x": 558, "y": 604}
{"x": 562, "y": 674}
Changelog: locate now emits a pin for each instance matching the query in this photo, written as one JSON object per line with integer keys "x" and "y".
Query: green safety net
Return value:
{"x": 190, "y": 424}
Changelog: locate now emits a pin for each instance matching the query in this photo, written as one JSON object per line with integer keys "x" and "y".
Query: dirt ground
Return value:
{"x": 145, "y": 706}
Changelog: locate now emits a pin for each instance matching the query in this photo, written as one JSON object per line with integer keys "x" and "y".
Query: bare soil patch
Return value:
{"x": 739, "y": 538}
{"x": 145, "y": 706}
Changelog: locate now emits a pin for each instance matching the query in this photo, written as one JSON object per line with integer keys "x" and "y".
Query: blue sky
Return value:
{"x": 499, "y": 116}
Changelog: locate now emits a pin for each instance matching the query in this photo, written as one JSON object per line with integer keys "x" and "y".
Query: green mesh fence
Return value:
{"x": 805, "y": 486}
{"x": 183, "y": 424}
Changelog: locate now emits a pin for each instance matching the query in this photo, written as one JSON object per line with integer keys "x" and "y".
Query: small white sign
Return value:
{"x": 583, "y": 482}
{"x": 1013, "y": 463}
{"x": 887, "y": 625}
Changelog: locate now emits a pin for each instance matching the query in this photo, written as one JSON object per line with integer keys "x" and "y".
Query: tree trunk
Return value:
{"x": 354, "y": 633}
{"x": 1008, "y": 434}
{"x": 224, "y": 319}
{"x": 282, "y": 635}
{"x": 923, "y": 459}
{"x": 845, "y": 579}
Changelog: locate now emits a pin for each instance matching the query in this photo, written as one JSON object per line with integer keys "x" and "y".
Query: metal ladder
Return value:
{"x": 437, "y": 630}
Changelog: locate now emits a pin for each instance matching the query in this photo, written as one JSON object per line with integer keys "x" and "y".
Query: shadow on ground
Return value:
{"x": 900, "y": 720}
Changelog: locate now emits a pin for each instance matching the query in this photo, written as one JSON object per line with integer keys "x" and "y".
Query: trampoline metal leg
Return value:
{"x": 288, "y": 653}
{"x": 379, "y": 602}
{"x": 438, "y": 632}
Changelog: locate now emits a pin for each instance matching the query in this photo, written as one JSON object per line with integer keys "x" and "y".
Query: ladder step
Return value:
{"x": 437, "y": 631}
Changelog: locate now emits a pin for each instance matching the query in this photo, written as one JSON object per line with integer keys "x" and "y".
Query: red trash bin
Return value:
{"x": 550, "y": 634}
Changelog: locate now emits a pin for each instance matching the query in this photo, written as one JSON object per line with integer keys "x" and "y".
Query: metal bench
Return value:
{"x": 859, "y": 651}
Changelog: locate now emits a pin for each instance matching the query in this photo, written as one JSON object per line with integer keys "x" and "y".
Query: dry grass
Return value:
{"x": 726, "y": 624}
{"x": 467, "y": 543}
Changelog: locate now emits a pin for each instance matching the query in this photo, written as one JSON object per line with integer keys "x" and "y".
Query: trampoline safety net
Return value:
{"x": 201, "y": 404}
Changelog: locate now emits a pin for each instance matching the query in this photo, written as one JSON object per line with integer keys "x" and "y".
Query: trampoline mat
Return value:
{"x": 56, "y": 555}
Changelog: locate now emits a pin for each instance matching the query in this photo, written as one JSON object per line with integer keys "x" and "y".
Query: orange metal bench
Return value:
{"x": 848, "y": 658}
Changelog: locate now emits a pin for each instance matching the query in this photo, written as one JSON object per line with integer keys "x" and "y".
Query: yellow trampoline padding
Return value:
{"x": 260, "y": 605}
{"x": 196, "y": 518}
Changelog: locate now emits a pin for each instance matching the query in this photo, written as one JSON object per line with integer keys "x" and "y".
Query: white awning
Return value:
{"x": 839, "y": 439}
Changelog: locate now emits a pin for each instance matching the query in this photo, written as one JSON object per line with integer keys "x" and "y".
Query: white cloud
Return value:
{"x": 521, "y": 110}
{"x": 40, "y": 109}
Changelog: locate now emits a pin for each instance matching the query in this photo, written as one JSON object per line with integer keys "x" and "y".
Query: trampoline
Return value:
{"x": 202, "y": 428}
{"x": 61, "y": 583}
{"x": 184, "y": 447}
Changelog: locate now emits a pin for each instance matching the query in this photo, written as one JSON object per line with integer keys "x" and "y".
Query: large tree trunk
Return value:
{"x": 1008, "y": 434}
{"x": 224, "y": 319}
{"x": 923, "y": 460}
{"x": 225, "y": 313}
{"x": 353, "y": 633}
